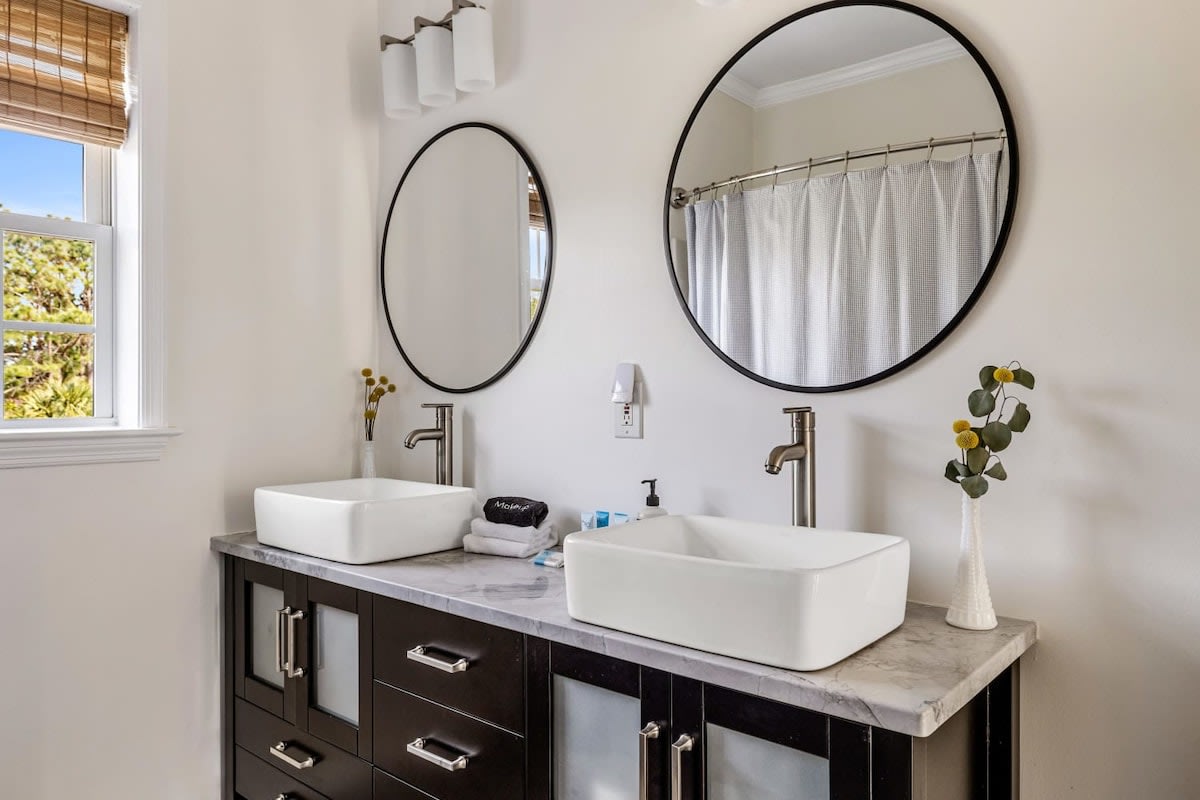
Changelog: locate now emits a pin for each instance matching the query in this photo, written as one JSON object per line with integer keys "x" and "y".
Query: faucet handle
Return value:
{"x": 437, "y": 405}
{"x": 798, "y": 410}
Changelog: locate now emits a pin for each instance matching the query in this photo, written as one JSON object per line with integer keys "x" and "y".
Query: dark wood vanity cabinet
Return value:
{"x": 299, "y": 678}
{"x": 335, "y": 693}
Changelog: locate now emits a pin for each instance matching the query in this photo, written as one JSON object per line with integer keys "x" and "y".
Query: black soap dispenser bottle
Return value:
{"x": 652, "y": 508}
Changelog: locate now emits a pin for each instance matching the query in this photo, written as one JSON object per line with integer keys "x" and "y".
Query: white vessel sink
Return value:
{"x": 790, "y": 597}
{"x": 363, "y": 520}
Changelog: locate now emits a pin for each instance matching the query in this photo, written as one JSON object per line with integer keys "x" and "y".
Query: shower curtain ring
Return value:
{"x": 887, "y": 154}
{"x": 929, "y": 152}
{"x": 775, "y": 178}
{"x": 846, "y": 163}
{"x": 808, "y": 175}
{"x": 972, "y": 153}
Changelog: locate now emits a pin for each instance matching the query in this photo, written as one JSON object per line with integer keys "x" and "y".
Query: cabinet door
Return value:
{"x": 333, "y": 689}
{"x": 606, "y": 725}
{"x": 733, "y": 746}
{"x": 259, "y": 606}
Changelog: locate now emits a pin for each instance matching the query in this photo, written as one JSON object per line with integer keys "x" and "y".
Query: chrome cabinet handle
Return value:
{"x": 280, "y": 752}
{"x": 284, "y": 796}
{"x": 646, "y": 735}
{"x": 682, "y": 745}
{"x": 417, "y": 747}
{"x": 421, "y": 655}
{"x": 292, "y": 670}
{"x": 280, "y": 615}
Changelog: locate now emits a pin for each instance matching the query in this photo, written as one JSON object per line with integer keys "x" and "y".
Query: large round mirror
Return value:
{"x": 466, "y": 257}
{"x": 840, "y": 195}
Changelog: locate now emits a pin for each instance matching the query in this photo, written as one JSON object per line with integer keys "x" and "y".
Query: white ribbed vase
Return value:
{"x": 971, "y": 605}
{"x": 367, "y": 460}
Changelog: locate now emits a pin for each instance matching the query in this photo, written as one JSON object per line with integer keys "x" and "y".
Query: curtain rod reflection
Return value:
{"x": 680, "y": 198}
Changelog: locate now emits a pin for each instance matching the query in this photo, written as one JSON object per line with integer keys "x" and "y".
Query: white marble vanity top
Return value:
{"x": 910, "y": 681}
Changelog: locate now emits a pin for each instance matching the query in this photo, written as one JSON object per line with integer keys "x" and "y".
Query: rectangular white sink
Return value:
{"x": 363, "y": 520}
{"x": 790, "y": 597}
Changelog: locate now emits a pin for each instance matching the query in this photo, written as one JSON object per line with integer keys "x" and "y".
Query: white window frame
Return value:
{"x": 101, "y": 330}
{"x": 135, "y": 427}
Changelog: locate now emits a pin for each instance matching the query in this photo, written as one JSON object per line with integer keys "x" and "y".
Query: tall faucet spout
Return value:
{"x": 443, "y": 434}
{"x": 782, "y": 454}
{"x": 800, "y": 452}
{"x": 422, "y": 435}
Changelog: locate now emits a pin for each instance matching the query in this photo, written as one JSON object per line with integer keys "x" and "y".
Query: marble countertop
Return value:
{"x": 910, "y": 681}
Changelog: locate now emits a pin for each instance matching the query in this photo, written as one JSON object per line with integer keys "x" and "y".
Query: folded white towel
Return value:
{"x": 502, "y": 547}
{"x": 511, "y": 533}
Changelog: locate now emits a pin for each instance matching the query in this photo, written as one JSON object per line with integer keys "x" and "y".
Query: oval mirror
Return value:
{"x": 466, "y": 257}
{"x": 840, "y": 195}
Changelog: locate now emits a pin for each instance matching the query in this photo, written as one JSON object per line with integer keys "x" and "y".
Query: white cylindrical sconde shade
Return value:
{"x": 474, "y": 59}
{"x": 435, "y": 66}
{"x": 400, "y": 81}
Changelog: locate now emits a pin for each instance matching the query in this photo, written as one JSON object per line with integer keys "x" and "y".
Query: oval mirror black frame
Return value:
{"x": 1001, "y": 239}
{"x": 537, "y": 318}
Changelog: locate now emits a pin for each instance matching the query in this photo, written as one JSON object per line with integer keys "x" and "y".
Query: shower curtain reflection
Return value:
{"x": 833, "y": 279}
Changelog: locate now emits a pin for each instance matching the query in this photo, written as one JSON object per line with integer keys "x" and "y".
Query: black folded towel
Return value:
{"x": 520, "y": 511}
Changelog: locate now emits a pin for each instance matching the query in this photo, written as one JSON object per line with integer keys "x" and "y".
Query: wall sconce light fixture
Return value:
{"x": 455, "y": 52}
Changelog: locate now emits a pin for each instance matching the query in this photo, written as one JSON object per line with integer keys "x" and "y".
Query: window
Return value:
{"x": 539, "y": 246}
{"x": 80, "y": 273}
{"x": 56, "y": 282}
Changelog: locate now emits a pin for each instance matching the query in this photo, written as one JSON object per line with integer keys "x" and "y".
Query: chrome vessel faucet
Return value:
{"x": 801, "y": 452}
{"x": 443, "y": 434}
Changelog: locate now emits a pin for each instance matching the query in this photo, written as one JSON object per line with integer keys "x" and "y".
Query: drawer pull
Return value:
{"x": 421, "y": 655}
{"x": 280, "y": 752}
{"x": 418, "y": 749}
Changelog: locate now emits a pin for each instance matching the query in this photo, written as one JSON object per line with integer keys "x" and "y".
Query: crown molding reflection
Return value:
{"x": 891, "y": 64}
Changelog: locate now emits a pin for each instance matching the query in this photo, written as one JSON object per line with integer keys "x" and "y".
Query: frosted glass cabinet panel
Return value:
{"x": 302, "y": 652}
{"x": 595, "y": 742}
{"x": 265, "y": 604}
{"x": 335, "y": 662}
{"x": 742, "y": 767}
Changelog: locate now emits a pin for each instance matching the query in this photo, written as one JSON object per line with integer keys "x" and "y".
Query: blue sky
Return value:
{"x": 41, "y": 176}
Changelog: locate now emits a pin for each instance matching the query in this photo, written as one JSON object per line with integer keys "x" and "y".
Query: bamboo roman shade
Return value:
{"x": 62, "y": 70}
{"x": 537, "y": 214}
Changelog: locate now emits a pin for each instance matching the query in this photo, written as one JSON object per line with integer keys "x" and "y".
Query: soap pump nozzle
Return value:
{"x": 652, "y": 508}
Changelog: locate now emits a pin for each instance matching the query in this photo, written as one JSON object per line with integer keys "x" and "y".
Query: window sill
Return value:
{"x": 51, "y": 448}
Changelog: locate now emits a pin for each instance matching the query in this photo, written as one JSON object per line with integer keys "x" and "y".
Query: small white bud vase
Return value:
{"x": 971, "y": 605}
{"x": 367, "y": 460}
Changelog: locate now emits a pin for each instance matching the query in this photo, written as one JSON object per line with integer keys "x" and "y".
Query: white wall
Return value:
{"x": 1094, "y": 535}
{"x": 109, "y": 672}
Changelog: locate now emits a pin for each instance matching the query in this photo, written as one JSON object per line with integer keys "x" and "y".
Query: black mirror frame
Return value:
{"x": 1001, "y": 239}
{"x": 546, "y": 207}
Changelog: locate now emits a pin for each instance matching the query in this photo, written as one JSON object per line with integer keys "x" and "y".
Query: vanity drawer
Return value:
{"x": 334, "y": 772}
{"x": 495, "y": 758}
{"x": 255, "y": 780}
{"x": 388, "y": 788}
{"x": 491, "y": 687}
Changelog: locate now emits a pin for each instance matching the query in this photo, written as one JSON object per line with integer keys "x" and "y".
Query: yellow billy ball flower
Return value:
{"x": 370, "y": 381}
{"x": 1003, "y": 374}
{"x": 967, "y": 440}
{"x": 391, "y": 387}
{"x": 366, "y": 373}
{"x": 961, "y": 425}
{"x": 383, "y": 379}
{"x": 370, "y": 414}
